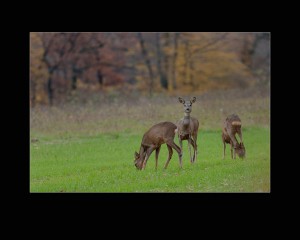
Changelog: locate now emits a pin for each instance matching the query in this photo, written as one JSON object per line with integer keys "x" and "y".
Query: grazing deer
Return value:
{"x": 233, "y": 125}
{"x": 157, "y": 135}
{"x": 188, "y": 127}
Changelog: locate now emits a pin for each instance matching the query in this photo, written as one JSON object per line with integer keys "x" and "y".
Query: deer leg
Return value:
{"x": 196, "y": 148}
{"x": 189, "y": 145}
{"x": 148, "y": 153}
{"x": 224, "y": 149}
{"x": 231, "y": 149}
{"x": 170, "y": 156}
{"x": 240, "y": 135}
{"x": 234, "y": 152}
{"x": 233, "y": 139}
{"x": 156, "y": 156}
{"x": 180, "y": 143}
{"x": 193, "y": 144}
{"x": 178, "y": 150}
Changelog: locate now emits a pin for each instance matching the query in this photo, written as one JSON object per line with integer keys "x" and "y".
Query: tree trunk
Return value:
{"x": 50, "y": 90}
{"x": 100, "y": 77}
{"x": 186, "y": 73}
{"x": 147, "y": 61}
{"x": 162, "y": 75}
{"x": 166, "y": 57}
{"x": 173, "y": 72}
{"x": 247, "y": 51}
{"x": 74, "y": 82}
{"x": 191, "y": 71}
{"x": 33, "y": 92}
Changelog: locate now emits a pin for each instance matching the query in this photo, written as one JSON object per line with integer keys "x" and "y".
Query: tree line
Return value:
{"x": 61, "y": 63}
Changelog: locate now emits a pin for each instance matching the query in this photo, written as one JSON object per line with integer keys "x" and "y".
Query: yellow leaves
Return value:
{"x": 205, "y": 62}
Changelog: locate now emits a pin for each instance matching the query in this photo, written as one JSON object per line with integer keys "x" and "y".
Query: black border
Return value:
{"x": 102, "y": 200}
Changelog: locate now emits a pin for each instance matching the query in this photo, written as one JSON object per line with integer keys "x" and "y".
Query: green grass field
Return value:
{"x": 91, "y": 149}
{"x": 105, "y": 164}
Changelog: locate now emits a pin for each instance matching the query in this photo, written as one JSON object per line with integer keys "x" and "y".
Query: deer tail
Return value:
{"x": 236, "y": 123}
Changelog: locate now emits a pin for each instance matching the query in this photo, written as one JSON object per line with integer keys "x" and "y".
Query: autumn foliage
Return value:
{"x": 62, "y": 64}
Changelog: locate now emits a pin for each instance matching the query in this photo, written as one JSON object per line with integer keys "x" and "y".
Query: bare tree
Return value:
{"x": 147, "y": 61}
{"x": 56, "y": 47}
{"x": 166, "y": 57}
{"x": 194, "y": 48}
{"x": 255, "y": 54}
{"x": 85, "y": 57}
{"x": 173, "y": 72}
{"x": 161, "y": 72}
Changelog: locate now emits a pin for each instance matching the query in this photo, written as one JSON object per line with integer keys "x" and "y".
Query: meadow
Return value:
{"x": 89, "y": 147}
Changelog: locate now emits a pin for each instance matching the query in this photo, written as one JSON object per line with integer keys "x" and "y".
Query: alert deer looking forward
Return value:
{"x": 233, "y": 125}
{"x": 157, "y": 135}
{"x": 188, "y": 127}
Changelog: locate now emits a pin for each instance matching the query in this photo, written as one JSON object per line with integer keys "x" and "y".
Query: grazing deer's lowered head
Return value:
{"x": 232, "y": 126}
{"x": 240, "y": 150}
{"x": 188, "y": 127}
{"x": 138, "y": 160}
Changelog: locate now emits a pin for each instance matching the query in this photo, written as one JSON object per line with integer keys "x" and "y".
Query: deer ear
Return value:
{"x": 181, "y": 100}
{"x": 136, "y": 155}
{"x": 192, "y": 100}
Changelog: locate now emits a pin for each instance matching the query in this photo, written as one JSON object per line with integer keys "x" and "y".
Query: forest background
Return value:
{"x": 78, "y": 66}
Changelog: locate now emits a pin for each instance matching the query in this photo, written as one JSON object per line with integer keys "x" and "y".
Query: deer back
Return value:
{"x": 159, "y": 133}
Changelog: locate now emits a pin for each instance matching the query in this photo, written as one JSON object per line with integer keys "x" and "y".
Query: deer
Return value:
{"x": 188, "y": 127}
{"x": 233, "y": 125}
{"x": 160, "y": 133}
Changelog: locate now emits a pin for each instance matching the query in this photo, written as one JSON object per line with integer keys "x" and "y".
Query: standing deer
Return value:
{"x": 233, "y": 125}
{"x": 157, "y": 135}
{"x": 188, "y": 127}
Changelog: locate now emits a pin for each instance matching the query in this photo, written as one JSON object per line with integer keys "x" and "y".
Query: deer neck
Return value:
{"x": 187, "y": 115}
{"x": 186, "y": 121}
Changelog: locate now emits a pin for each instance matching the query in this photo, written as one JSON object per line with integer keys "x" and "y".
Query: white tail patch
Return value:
{"x": 176, "y": 130}
{"x": 236, "y": 123}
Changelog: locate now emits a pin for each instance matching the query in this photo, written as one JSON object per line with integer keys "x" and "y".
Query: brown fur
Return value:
{"x": 232, "y": 126}
{"x": 157, "y": 135}
{"x": 188, "y": 128}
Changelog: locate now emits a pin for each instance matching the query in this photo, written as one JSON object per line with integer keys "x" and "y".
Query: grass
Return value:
{"x": 90, "y": 148}
{"x": 104, "y": 163}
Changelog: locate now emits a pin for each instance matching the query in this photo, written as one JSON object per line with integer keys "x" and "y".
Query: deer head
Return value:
{"x": 138, "y": 161}
{"x": 187, "y": 105}
{"x": 240, "y": 150}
